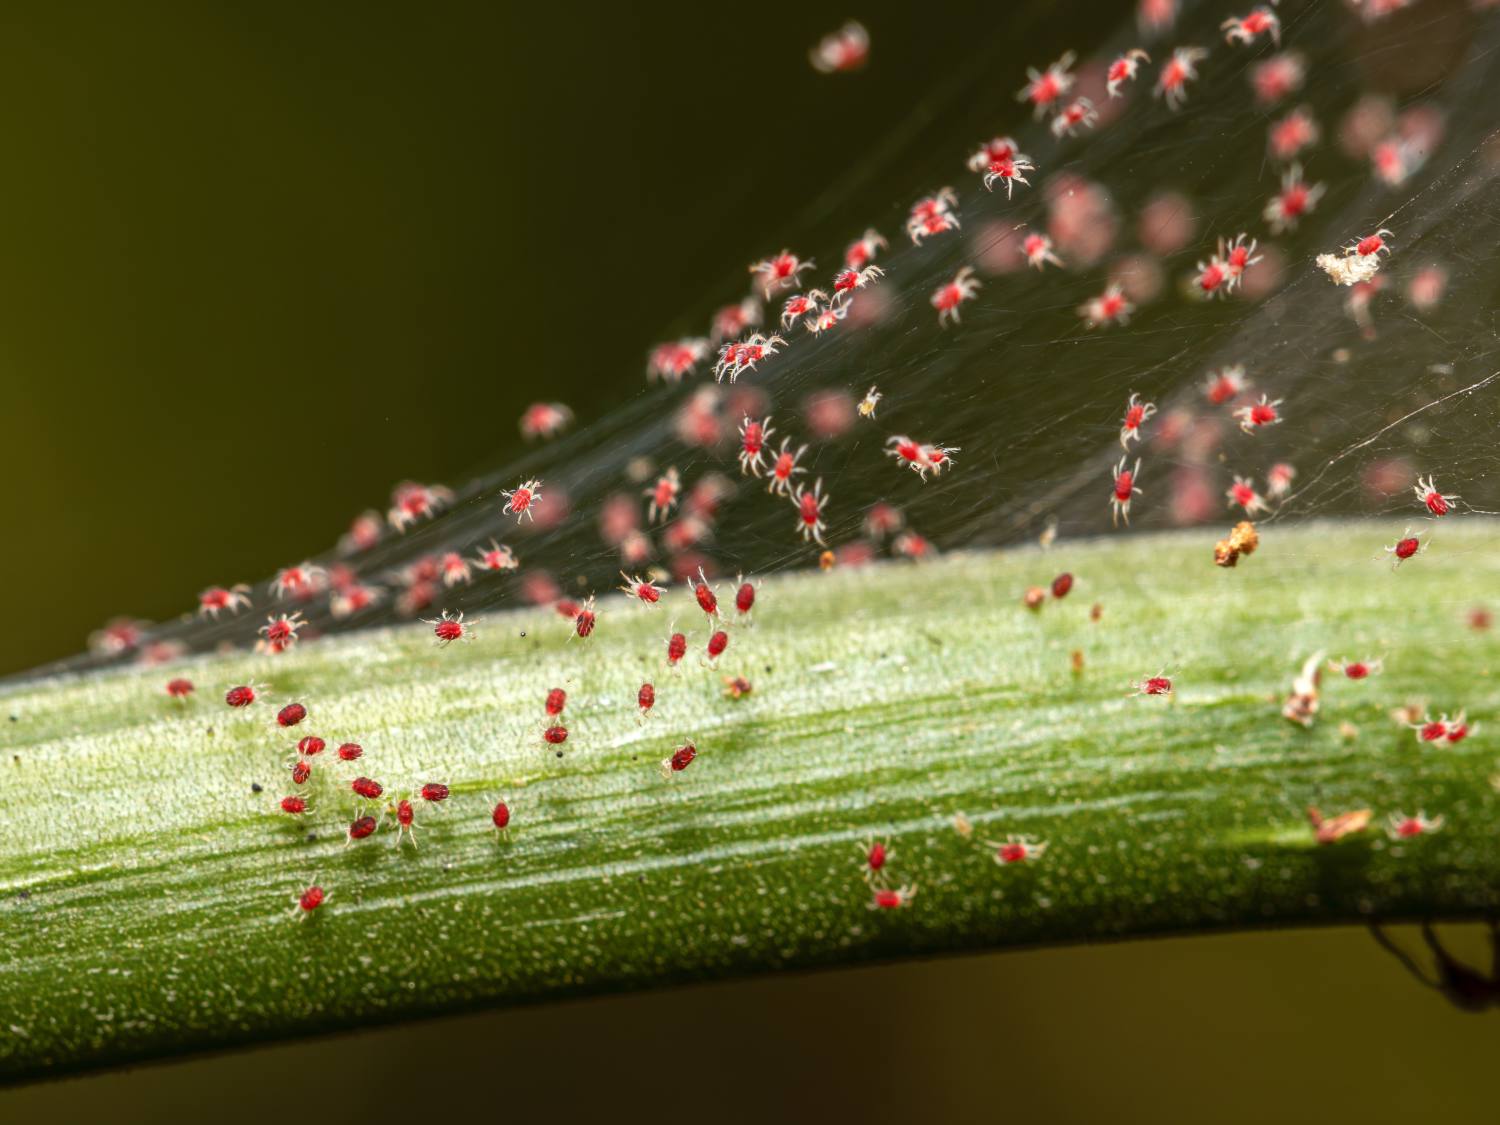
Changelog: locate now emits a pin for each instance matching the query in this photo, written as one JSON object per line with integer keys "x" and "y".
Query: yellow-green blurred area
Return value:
{"x": 1284, "y": 1027}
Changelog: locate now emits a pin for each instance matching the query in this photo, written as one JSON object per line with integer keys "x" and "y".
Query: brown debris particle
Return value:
{"x": 1242, "y": 540}
{"x": 1328, "y": 829}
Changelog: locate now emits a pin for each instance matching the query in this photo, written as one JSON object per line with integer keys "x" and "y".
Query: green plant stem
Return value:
{"x": 148, "y": 892}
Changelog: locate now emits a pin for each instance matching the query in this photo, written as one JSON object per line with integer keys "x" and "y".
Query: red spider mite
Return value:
{"x": 1238, "y": 255}
{"x": 648, "y": 593}
{"x": 1370, "y": 244}
{"x": 846, "y": 281}
{"x": 1399, "y": 826}
{"x": 1431, "y": 730}
{"x": 366, "y": 787}
{"x": 360, "y": 828}
{"x": 519, "y": 500}
{"x": 732, "y": 320}
{"x": 744, "y": 597}
{"x": 1213, "y": 277}
{"x": 406, "y": 822}
{"x": 1245, "y": 29}
{"x": 1242, "y": 492}
{"x": 346, "y": 603}
{"x": 301, "y": 771}
{"x": 1295, "y": 200}
{"x": 291, "y": 715}
{"x": 681, "y": 758}
{"x": 241, "y": 696}
{"x": 1356, "y": 669}
{"x": 663, "y": 495}
{"x": 1225, "y": 384}
{"x": 996, "y": 149}
{"x": 1038, "y": 251}
{"x": 583, "y": 624}
{"x": 301, "y": 581}
{"x": 1123, "y": 70}
{"x": 500, "y": 816}
{"x": 350, "y": 752}
{"x": 1137, "y": 413}
{"x": 567, "y": 607}
{"x": 179, "y": 688}
{"x": 932, "y": 215}
{"x": 784, "y": 468}
{"x": 434, "y": 792}
{"x": 645, "y": 699}
{"x": 1294, "y": 132}
{"x": 1458, "y": 729}
{"x": 1153, "y": 685}
{"x": 949, "y": 296}
{"x": 753, "y": 436}
{"x": 1180, "y": 69}
{"x": 1404, "y": 548}
{"x": 1044, "y": 88}
{"x": 861, "y": 252}
{"x": 215, "y": 598}
{"x": 496, "y": 557}
{"x": 455, "y": 569}
{"x": 545, "y": 420}
{"x": 676, "y": 647}
{"x": 557, "y": 699}
{"x": 1009, "y": 168}
{"x": 892, "y": 898}
{"x": 1279, "y": 479}
{"x": 1016, "y": 849}
{"x": 1110, "y": 307}
{"x": 810, "y": 504}
{"x": 309, "y": 900}
{"x": 1124, "y": 489}
{"x": 555, "y": 735}
{"x": 1435, "y": 501}
{"x": 799, "y": 305}
{"x": 674, "y": 361}
{"x": 294, "y": 806}
{"x": 876, "y": 853}
{"x": 412, "y": 502}
{"x": 843, "y": 50}
{"x": 1256, "y": 415}
{"x": 779, "y": 272}
{"x": 704, "y": 595}
{"x": 1077, "y": 114}
{"x": 449, "y": 628}
{"x": 717, "y": 643}
{"x": 310, "y": 746}
{"x": 1061, "y": 585}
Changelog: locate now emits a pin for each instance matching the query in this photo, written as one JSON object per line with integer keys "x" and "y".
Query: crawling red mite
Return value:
{"x": 362, "y": 827}
{"x": 311, "y": 745}
{"x": 892, "y": 898}
{"x": 500, "y": 815}
{"x": 707, "y": 600}
{"x": 717, "y": 644}
{"x": 449, "y": 628}
{"x": 291, "y": 714}
{"x": 1154, "y": 685}
{"x": 241, "y": 696}
{"x": 1061, "y": 585}
{"x": 434, "y": 791}
{"x": 676, "y": 648}
{"x": 584, "y": 623}
{"x": 876, "y": 852}
{"x": 179, "y": 688}
{"x": 301, "y": 771}
{"x": 681, "y": 758}
{"x": 645, "y": 699}
{"x": 294, "y": 806}
{"x": 557, "y": 699}
{"x": 367, "y": 788}
{"x": 350, "y": 751}
{"x": 406, "y": 817}
{"x": 308, "y": 901}
{"x": 556, "y": 735}
{"x": 744, "y": 597}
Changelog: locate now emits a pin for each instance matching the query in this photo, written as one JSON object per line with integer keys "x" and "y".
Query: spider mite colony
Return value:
{"x": 662, "y": 523}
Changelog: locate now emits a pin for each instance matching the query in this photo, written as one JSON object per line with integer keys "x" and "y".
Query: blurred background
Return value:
{"x": 260, "y": 265}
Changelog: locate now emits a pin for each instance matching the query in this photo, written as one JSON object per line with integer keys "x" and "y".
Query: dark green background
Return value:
{"x": 260, "y": 263}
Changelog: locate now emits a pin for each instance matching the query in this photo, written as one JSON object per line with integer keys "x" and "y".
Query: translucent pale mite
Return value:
{"x": 1123, "y": 70}
{"x": 1044, "y": 88}
{"x": 779, "y": 272}
{"x": 1124, "y": 490}
{"x": 291, "y": 715}
{"x": 681, "y": 758}
{"x": 1034, "y": 598}
{"x": 841, "y": 51}
{"x": 350, "y": 752}
{"x": 308, "y": 901}
{"x": 311, "y": 746}
{"x": 1257, "y": 415}
{"x": 947, "y": 297}
{"x": 449, "y": 628}
{"x": 1137, "y": 413}
{"x": 279, "y": 633}
{"x": 810, "y": 504}
{"x": 892, "y": 898}
{"x": 1433, "y": 500}
{"x": 179, "y": 688}
{"x": 1242, "y": 492}
{"x": 1356, "y": 669}
{"x": 1246, "y": 29}
{"x": 1331, "y": 829}
{"x": 736, "y": 687}
{"x": 545, "y": 420}
{"x": 645, "y": 699}
{"x": 663, "y": 495}
{"x": 361, "y": 828}
{"x": 1110, "y": 307}
{"x": 1404, "y": 548}
{"x": 1077, "y": 114}
{"x": 217, "y": 598}
{"x": 586, "y": 620}
{"x": 1153, "y": 685}
{"x": 519, "y": 500}
{"x": 861, "y": 252}
{"x": 785, "y": 468}
{"x": 1279, "y": 479}
{"x": 868, "y": 404}
{"x": 1016, "y": 849}
{"x": 556, "y": 700}
{"x": 1038, "y": 251}
{"x": 1295, "y": 199}
{"x": 1399, "y": 826}
{"x": 718, "y": 641}
{"x": 1178, "y": 71}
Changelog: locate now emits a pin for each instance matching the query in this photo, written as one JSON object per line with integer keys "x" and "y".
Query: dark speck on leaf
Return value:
{"x": 311, "y": 836}
{"x": 15, "y": 718}
{"x": 255, "y": 787}
{"x": 559, "y": 753}
{"x": 523, "y": 633}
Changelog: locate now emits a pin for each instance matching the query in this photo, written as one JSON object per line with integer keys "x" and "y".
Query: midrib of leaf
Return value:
{"x": 146, "y": 890}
